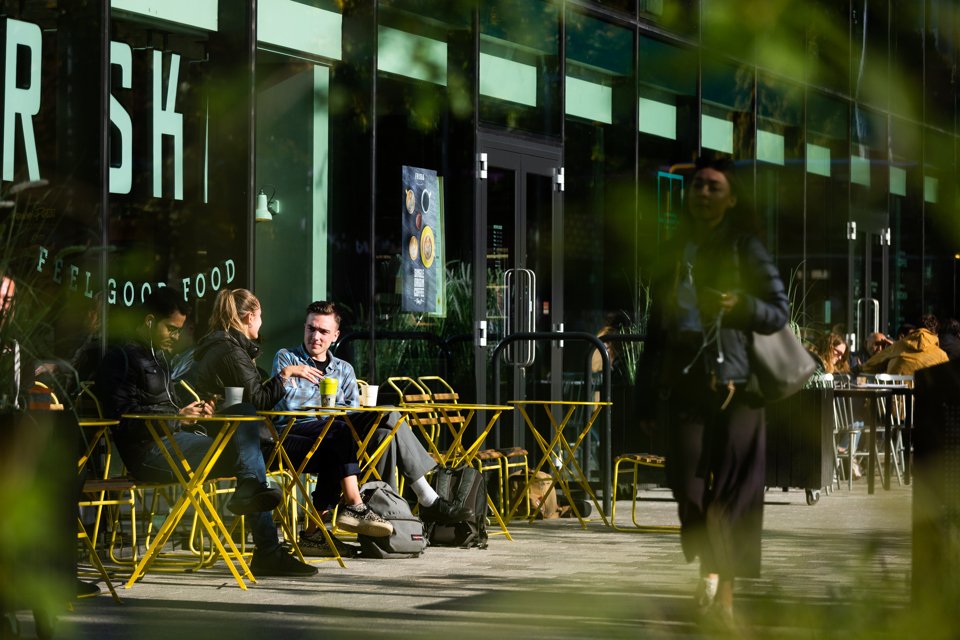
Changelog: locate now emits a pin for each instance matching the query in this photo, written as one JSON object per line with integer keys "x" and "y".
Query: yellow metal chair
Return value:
{"x": 636, "y": 460}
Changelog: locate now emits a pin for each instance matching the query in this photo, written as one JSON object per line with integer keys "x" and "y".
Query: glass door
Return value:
{"x": 522, "y": 280}
{"x": 869, "y": 249}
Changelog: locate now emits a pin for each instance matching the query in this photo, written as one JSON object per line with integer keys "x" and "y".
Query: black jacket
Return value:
{"x": 226, "y": 359}
{"x": 725, "y": 261}
{"x": 133, "y": 379}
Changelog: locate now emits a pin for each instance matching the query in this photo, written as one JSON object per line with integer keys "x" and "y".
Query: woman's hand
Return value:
{"x": 308, "y": 373}
{"x": 715, "y": 301}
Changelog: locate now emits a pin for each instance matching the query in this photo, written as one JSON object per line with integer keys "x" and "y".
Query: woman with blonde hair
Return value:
{"x": 225, "y": 358}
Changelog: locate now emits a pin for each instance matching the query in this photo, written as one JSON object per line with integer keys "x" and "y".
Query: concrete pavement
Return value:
{"x": 838, "y": 568}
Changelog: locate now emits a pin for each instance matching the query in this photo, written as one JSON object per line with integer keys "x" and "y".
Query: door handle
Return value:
{"x": 520, "y": 288}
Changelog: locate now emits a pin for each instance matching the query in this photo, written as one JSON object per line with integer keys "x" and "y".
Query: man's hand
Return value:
{"x": 198, "y": 409}
{"x": 308, "y": 373}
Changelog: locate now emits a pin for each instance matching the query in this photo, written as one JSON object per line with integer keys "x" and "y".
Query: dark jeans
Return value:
{"x": 334, "y": 460}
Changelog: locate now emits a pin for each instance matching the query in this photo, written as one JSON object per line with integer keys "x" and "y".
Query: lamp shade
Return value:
{"x": 262, "y": 213}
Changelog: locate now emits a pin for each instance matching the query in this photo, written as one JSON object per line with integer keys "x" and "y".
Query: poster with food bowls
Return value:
{"x": 422, "y": 246}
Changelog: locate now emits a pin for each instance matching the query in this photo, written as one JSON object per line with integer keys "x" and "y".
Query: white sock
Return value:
{"x": 426, "y": 496}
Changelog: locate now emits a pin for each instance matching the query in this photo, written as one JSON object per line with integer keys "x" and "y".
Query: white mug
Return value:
{"x": 370, "y": 400}
{"x": 232, "y": 396}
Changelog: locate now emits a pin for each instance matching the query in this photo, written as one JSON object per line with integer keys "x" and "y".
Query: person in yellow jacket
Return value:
{"x": 918, "y": 349}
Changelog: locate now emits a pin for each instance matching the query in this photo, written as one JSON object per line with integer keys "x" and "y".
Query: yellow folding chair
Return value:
{"x": 636, "y": 461}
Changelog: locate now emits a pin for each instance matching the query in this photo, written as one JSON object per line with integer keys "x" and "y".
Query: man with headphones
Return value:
{"x": 134, "y": 377}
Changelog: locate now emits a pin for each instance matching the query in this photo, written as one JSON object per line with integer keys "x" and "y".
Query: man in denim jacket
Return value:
{"x": 320, "y": 331}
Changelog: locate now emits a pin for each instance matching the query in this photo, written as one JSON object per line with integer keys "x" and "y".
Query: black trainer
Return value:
{"x": 279, "y": 562}
{"x": 443, "y": 511}
{"x": 251, "y": 497}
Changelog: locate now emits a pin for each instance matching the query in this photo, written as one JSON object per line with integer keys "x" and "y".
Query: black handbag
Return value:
{"x": 779, "y": 364}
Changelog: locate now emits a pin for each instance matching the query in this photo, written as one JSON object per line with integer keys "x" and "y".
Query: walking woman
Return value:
{"x": 715, "y": 284}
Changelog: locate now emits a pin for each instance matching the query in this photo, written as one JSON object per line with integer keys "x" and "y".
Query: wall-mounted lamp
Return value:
{"x": 266, "y": 207}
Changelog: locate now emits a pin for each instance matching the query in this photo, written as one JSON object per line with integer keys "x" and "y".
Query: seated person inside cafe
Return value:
{"x": 225, "y": 358}
{"x": 917, "y": 349}
{"x": 320, "y": 331}
{"x": 831, "y": 354}
{"x": 134, "y": 378}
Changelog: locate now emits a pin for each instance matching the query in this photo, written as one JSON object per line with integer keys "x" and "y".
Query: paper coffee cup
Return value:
{"x": 232, "y": 396}
{"x": 370, "y": 400}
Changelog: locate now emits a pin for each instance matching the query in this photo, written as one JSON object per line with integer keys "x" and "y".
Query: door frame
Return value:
{"x": 863, "y": 240}
{"x": 525, "y": 156}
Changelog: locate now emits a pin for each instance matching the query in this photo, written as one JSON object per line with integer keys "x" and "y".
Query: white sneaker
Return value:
{"x": 706, "y": 593}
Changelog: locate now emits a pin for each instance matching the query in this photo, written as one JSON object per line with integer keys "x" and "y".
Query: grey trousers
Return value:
{"x": 404, "y": 453}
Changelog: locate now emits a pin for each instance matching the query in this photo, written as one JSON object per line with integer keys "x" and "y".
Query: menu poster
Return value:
{"x": 422, "y": 245}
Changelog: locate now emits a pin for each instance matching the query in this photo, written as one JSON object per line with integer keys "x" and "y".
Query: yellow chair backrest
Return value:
{"x": 408, "y": 390}
{"x": 439, "y": 389}
{"x": 54, "y": 401}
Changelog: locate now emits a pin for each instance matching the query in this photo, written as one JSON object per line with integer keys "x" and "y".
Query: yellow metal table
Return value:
{"x": 559, "y": 448}
{"x": 294, "y": 486}
{"x": 191, "y": 480}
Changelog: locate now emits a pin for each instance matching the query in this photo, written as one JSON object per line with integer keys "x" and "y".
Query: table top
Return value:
{"x": 305, "y": 412}
{"x": 344, "y": 408}
{"x": 575, "y": 403}
{"x": 898, "y": 388}
{"x": 98, "y": 422}
{"x": 452, "y": 406}
{"x": 176, "y": 416}
{"x": 873, "y": 391}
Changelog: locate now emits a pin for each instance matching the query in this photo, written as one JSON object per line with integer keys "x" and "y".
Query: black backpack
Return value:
{"x": 463, "y": 487}
{"x": 408, "y": 539}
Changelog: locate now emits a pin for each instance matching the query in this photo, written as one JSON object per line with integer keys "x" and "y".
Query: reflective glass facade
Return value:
{"x": 558, "y": 131}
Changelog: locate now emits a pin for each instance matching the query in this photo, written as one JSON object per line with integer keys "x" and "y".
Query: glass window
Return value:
{"x": 599, "y": 159}
{"x": 828, "y": 44}
{"x": 292, "y": 170}
{"x": 939, "y": 225}
{"x": 906, "y": 212}
{"x": 51, "y": 211}
{"x": 826, "y": 150}
{"x": 519, "y": 66}
{"x": 668, "y": 134}
{"x": 869, "y": 75}
{"x": 725, "y": 28}
{"x": 677, "y": 16}
{"x": 177, "y": 196}
{"x": 939, "y": 62}
{"x": 424, "y": 114}
{"x": 779, "y": 192}
{"x": 727, "y": 115}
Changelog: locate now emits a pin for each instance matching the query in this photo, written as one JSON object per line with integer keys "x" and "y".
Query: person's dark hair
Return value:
{"x": 163, "y": 302}
{"x": 617, "y": 320}
{"x": 741, "y": 216}
{"x": 324, "y": 308}
{"x": 951, "y": 327}
{"x": 724, "y": 165}
{"x": 905, "y": 329}
{"x": 930, "y": 323}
